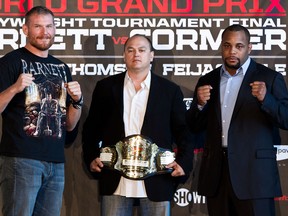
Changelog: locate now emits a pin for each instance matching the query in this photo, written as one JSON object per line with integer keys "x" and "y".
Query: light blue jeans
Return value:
{"x": 122, "y": 206}
{"x": 30, "y": 187}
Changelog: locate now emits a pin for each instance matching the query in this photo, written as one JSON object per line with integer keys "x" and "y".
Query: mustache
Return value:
{"x": 231, "y": 57}
{"x": 44, "y": 37}
{"x": 236, "y": 66}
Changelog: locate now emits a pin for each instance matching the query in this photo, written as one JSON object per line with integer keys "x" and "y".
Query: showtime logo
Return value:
{"x": 282, "y": 152}
{"x": 183, "y": 197}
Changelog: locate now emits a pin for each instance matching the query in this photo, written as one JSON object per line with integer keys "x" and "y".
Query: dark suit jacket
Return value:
{"x": 251, "y": 155}
{"x": 164, "y": 123}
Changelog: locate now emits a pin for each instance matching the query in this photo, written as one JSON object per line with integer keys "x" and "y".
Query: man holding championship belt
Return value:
{"x": 135, "y": 119}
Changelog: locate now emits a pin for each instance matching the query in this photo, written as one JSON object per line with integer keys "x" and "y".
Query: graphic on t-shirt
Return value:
{"x": 45, "y": 109}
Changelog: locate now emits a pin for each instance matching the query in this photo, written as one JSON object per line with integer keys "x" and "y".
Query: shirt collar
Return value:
{"x": 246, "y": 65}
{"x": 146, "y": 83}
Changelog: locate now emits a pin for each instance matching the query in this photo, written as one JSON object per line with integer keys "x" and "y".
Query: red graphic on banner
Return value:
{"x": 156, "y": 8}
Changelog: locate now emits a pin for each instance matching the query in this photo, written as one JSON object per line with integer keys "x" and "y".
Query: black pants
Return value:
{"x": 225, "y": 203}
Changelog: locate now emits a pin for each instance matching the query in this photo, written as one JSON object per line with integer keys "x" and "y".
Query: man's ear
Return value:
{"x": 25, "y": 29}
{"x": 249, "y": 48}
{"x": 152, "y": 56}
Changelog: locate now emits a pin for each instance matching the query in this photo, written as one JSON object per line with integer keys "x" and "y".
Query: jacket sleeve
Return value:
{"x": 275, "y": 103}
{"x": 92, "y": 129}
{"x": 183, "y": 137}
{"x": 196, "y": 118}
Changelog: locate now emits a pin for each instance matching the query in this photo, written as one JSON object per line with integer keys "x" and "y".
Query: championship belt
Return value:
{"x": 137, "y": 157}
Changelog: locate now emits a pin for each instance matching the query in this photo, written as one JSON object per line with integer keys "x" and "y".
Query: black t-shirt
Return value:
{"x": 33, "y": 123}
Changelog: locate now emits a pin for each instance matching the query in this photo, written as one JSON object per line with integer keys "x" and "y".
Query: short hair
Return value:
{"x": 237, "y": 27}
{"x": 37, "y": 10}
{"x": 140, "y": 35}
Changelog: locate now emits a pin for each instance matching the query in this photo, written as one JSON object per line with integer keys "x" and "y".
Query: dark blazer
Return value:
{"x": 251, "y": 155}
{"x": 164, "y": 123}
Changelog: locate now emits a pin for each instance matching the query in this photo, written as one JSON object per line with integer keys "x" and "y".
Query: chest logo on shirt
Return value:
{"x": 45, "y": 111}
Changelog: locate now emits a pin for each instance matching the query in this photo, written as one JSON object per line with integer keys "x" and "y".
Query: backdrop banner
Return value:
{"x": 186, "y": 36}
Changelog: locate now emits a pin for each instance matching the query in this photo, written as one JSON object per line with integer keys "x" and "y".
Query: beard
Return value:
{"x": 44, "y": 45}
{"x": 233, "y": 66}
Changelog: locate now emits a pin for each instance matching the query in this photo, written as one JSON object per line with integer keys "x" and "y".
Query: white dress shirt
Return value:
{"x": 135, "y": 103}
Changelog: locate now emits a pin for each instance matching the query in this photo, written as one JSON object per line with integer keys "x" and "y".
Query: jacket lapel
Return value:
{"x": 117, "y": 90}
{"x": 215, "y": 83}
{"x": 153, "y": 99}
{"x": 245, "y": 88}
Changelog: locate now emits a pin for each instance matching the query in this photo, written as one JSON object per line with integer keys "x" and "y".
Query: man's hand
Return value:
{"x": 74, "y": 90}
{"x": 258, "y": 90}
{"x": 177, "y": 169}
{"x": 203, "y": 94}
{"x": 96, "y": 165}
{"x": 23, "y": 81}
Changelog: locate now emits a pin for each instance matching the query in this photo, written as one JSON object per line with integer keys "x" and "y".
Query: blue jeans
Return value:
{"x": 122, "y": 206}
{"x": 30, "y": 187}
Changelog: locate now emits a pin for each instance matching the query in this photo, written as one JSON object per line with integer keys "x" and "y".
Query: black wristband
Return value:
{"x": 77, "y": 104}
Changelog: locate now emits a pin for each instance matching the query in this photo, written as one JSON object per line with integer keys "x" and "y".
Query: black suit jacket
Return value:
{"x": 251, "y": 136}
{"x": 164, "y": 123}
